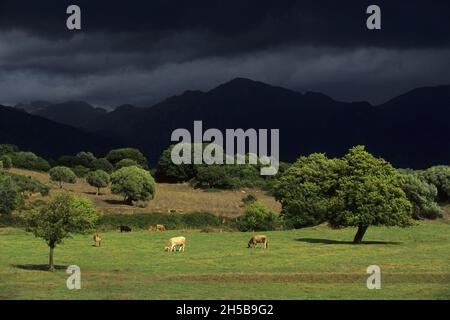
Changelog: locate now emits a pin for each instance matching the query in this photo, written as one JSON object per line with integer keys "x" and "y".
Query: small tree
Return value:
{"x": 9, "y": 195}
{"x": 133, "y": 183}
{"x": 98, "y": 179}
{"x": 61, "y": 175}
{"x": 59, "y": 219}
{"x": 6, "y": 162}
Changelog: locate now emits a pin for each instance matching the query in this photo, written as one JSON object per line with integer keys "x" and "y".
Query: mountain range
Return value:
{"x": 411, "y": 130}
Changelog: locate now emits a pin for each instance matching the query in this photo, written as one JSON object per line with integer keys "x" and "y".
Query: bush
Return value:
{"x": 9, "y": 195}
{"x": 61, "y": 175}
{"x": 114, "y": 156}
{"x": 257, "y": 218}
{"x": 80, "y": 171}
{"x": 7, "y": 149}
{"x": 126, "y": 163}
{"x": 5, "y": 162}
{"x": 439, "y": 176}
{"x": 102, "y": 164}
{"x": 29, "y": 161}
{"x": 422, "y": 195}
{"x": 85, "y": 158}
{"x": 29, "y": 184}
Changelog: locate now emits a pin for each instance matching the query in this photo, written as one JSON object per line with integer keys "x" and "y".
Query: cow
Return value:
{"x": 98, "y": 240}
{"x": 174, "y": 243}
{"x": 125, "y": 229}
{"x": 157, "y": 227}
{"x": 258, "y": 239}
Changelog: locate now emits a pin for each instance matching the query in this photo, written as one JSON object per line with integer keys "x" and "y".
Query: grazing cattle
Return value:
{"x": 258, "y": 239}
{"x": 125, "y": 229}
{"x": 98, "y": 240}
{"x": 174, "y": 243}
{"x": 158, "y": 227}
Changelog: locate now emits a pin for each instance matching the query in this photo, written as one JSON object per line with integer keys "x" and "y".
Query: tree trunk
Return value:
{"x": 360, "y": 234}
{"x": 98, "y": 191}
{"x": 51, "y": 266}
{"x": 60, "y": 184}
{"x": 129, "y": 201}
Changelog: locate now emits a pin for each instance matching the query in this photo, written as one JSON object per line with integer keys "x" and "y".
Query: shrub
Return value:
{"x": 439, "y": 176}
{"x": 114, "y": 156}
{"x": 29, "y": 184}
{"x": 5, "y": 162}
{"x": 9, "y": 195}
{"x": 126, "y": 163}
{"x": 422, "y": 195}
{"x": 29, "y": 161}
{"x": 62, "y": 175}
{"x": 80, "y": 171}
{"x": 102, "y": 164}
{"x": 257, "y": 218}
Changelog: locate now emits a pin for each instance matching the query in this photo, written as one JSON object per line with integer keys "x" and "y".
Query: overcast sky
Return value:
{"x": 140, "y": 52}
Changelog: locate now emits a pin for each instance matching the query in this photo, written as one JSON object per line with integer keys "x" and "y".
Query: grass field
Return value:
{"x": 312, "y": 263}
{"x": 179, "y": 197}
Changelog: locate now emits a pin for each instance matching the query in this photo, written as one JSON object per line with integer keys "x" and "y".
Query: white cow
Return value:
{"x": 174, "y": 243}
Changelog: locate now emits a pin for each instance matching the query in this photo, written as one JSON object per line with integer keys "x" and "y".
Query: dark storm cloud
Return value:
{"x": 143, "y": 51}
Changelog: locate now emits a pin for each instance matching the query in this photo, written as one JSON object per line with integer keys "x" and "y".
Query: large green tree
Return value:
{"x": 134, "y": 184}
{"x": 358, "y": 190}
{"x": 59, "y": 219}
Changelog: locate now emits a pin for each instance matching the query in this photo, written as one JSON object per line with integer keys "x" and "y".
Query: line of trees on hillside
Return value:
{"x": 357, "y": 190}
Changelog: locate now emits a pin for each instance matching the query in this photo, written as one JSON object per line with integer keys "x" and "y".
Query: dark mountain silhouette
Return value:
{"x": 411, "y": 130}
{"x": 47, "y": 138}
{"x": 72, "y": 113}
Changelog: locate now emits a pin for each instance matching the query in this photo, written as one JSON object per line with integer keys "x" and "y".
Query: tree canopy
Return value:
{"x": 357, "y": 190}
{"x": 98, "y": 179}
{"x": 62, "y": 175}
{"x": 133, "y": 183}
{"x": 59, "y": 219}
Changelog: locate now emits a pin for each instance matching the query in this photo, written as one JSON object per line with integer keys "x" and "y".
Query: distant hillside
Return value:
{"x": 411, "y": 130}
{"x": 73, "y": 113}
{"x": 47, "y": 138}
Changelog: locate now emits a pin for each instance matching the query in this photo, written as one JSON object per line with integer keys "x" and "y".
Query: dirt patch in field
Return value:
{"x": 296, "y": 277}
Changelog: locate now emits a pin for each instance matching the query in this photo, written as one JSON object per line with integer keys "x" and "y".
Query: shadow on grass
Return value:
{"x": 116, "y": 202}
{"x": 37, "y": 267}
{"x": 328, "y": 241}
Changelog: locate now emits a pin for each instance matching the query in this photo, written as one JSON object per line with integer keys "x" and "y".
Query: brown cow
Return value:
{"x": 98, "y": 240}
{"x": 258, "y": 239}
{"x": 157, "y": 227}
{"x": 174, "y": 243}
